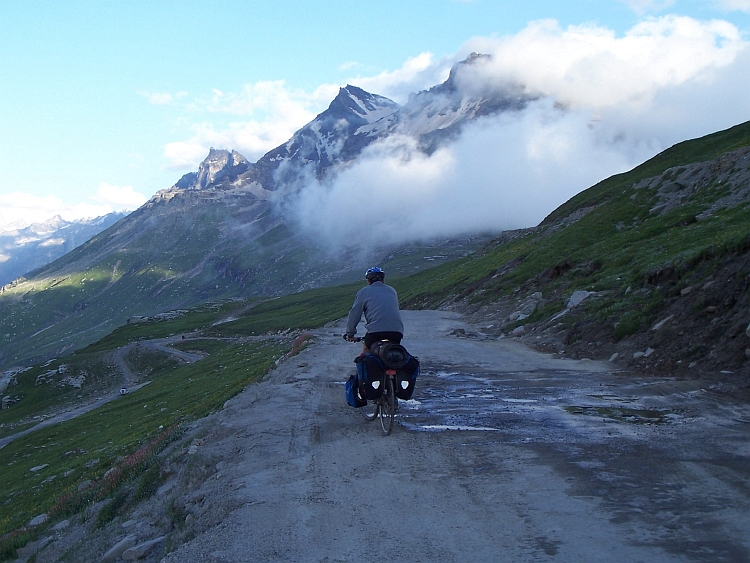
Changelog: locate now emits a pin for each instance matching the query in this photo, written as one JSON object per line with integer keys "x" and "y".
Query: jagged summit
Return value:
{"x": 371, "y": 107}
{"x": 473, "y": 60}
{"x": 217, "y": 165}
{"x": 353, "y": 120}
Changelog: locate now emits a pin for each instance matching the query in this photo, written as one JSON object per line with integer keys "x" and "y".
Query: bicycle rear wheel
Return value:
{"x": 387, "y": 406}
{"x": 370, "y": 410}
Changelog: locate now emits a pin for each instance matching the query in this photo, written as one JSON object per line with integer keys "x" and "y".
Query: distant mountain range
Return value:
{"x": 26, "y": 249}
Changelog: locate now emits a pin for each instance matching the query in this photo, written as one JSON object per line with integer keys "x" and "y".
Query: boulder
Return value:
{"x": 577, "y": 298}
{"x": 38, "y": 520}
{"x": 142, "y": 550}
{"x": 119, "y": 548}
{"x": 85, "y": 484}
{"x": 61, "y": 526}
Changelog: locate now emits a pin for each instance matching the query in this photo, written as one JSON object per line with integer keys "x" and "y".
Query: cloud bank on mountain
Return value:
{"x": 606, "y": 104}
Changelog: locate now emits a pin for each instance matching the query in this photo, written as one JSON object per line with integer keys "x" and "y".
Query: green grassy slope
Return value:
{"x": 687, "y": 152}
{"x": 43, "y": 471}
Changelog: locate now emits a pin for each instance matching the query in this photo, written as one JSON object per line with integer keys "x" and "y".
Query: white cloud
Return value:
{"x": 20, "y": 209}
{"x": 503, "y": 173}
{"x": 349, "y": 65}
{"x": 185, "y": 155}
{"x": 589, "y": 66}
{"x": 119, "y": 197}
{"x": 417, "y": 73}
{"x": 273, "y": 113}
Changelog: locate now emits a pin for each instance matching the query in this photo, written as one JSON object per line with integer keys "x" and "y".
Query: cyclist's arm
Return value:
{"x": 355, "y": 314}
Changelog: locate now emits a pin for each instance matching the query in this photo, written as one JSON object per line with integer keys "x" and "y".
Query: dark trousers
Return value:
{"x": 372, "y": 337}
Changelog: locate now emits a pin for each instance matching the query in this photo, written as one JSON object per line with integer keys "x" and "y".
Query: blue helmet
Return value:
{"x": 374, "y": 274}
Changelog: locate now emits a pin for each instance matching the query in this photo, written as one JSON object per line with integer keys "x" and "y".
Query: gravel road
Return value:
{"x": 504, "y": 454}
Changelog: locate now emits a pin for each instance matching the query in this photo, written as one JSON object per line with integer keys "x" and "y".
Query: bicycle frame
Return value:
{"x": 385, "y": 405}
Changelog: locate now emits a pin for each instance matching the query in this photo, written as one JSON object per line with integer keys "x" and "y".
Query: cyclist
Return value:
{"x": 379, "y": 303}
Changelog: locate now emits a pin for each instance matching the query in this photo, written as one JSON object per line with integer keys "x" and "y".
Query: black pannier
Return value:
{"x": 406, "y": 378}
{"x": 371, "y": 376}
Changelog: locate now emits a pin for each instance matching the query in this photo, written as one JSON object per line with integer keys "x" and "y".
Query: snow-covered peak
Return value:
{"x": 370, "y": 107}
{"x": 355, "y": 119}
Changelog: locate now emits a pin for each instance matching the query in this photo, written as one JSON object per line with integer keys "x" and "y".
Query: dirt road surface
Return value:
{"x": 503, "y": 455}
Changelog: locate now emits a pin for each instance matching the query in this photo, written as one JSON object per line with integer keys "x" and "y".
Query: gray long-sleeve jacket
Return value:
{"x": 379, "y": 303}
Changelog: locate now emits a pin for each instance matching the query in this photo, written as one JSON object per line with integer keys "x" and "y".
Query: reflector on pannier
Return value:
{"x": 371, "y": 374}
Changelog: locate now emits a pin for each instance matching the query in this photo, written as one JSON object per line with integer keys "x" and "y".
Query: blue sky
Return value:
{"x": 104, "y": 103}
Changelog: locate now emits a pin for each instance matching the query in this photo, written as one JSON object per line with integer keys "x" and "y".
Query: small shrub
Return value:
{"x": 109, "y": 510}
{"x": 149, "y": 482}
{"x": 629, "y": 323}
{"x": 9, "y": 543}
{"x": 177, "y": 514}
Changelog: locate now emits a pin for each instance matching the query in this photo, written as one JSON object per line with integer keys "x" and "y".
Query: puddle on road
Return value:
{"x": 543, "y": 405}
{"x": 619, "y": 414}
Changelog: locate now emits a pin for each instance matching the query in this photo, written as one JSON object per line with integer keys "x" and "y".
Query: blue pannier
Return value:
{"x": 352, "y": 393}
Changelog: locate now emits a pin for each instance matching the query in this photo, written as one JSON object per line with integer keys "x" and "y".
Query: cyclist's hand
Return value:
{"x": 350, "y": 338}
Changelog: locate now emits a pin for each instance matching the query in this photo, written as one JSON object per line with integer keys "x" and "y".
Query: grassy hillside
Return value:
{"x": 197, "y": 247}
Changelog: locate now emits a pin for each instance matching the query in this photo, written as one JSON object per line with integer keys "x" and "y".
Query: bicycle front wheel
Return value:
{"x": 387, "y": 406}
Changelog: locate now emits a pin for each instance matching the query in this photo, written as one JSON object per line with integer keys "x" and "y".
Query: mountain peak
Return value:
{"x": 368, "y": 106}
{"x": 219, "y": 163}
